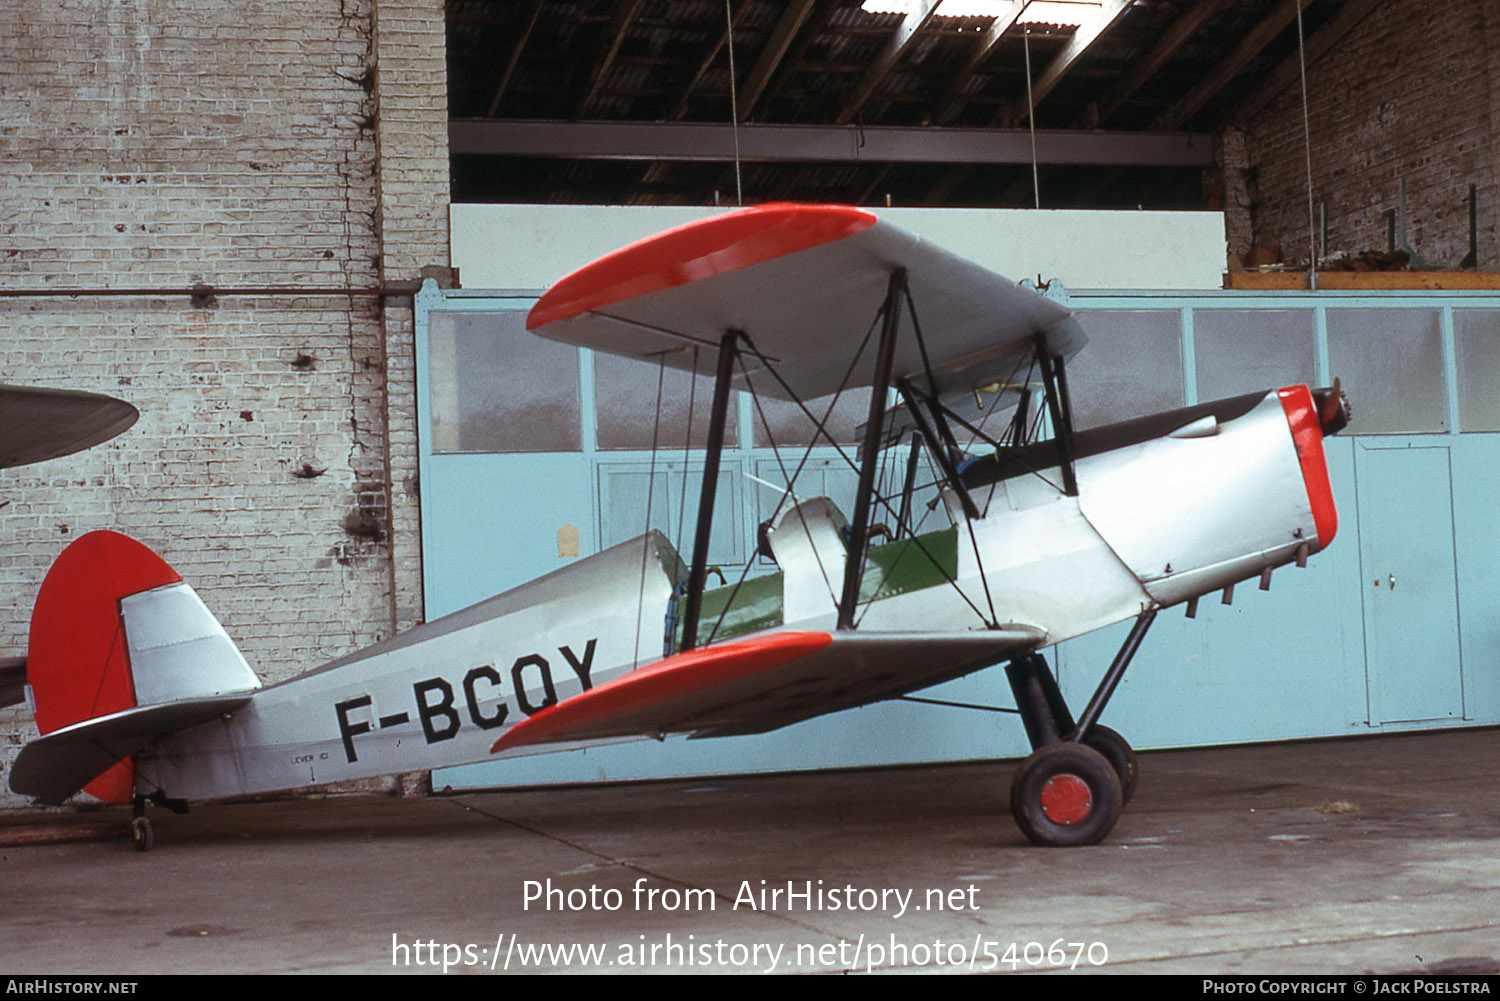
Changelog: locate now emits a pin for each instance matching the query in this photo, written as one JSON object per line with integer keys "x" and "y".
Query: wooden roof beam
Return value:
{"x": 889, "y": 56}
{"x": 1285, "y": 75}
{"x": 1083, "y": 39}
{"x": 515, "y": 58}
{"x": 772, "y": 54}
{"x": 625, "y": 12}
{"x": 1145, "y": 68}
{"x": 818, "y": 22}
{"x": 952, "y": 99}
{"x": 712, "y": 53}
{"x": 1259, "y": 37}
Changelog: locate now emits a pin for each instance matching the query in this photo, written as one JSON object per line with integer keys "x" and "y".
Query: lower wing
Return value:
{"x": 760, "y": 684}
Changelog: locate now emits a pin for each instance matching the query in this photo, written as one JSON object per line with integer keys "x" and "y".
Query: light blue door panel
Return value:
{"x": 1407, "y": 579}
{"x": 626, "y": 487}
{"x": 1476, "y": 522}
{"x": 498, "y": 523}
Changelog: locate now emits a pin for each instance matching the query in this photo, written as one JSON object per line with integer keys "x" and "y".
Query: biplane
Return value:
{"x": 984, "y": 528}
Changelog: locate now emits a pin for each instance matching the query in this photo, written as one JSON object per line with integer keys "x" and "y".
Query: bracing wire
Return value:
{"x": 791, "y": 480}
{"x": 881, "y": 502}
{"x": 687, "y": 451}
{"x": 640, "y": 611}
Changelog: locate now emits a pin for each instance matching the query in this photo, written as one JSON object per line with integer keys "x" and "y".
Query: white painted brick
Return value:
{"x": 137, "y": 155}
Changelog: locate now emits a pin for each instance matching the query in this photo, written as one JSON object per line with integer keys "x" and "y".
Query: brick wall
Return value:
{"x": 1412, "y": 92}
{"x": 412, "y": 90}
{"x": 169, "y": 143}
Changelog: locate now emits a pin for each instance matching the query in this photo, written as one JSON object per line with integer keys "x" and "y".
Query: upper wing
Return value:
{"x": 759, "y": 684}
{"x": 37, "y": 424}
{"x": 804, "y": 282}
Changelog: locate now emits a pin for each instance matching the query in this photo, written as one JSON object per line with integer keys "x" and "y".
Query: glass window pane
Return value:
{"x": 1476, "y": 334}
{"x": 624, "y": 489}
{"x": 1246, "y": 350}
{"x": 790, "y": 426}
{"x": 1391, "y": 365}
{"x": 497, "y": 388}
{"x": 1132, "y": 365}
{"x": 625, "y": 404}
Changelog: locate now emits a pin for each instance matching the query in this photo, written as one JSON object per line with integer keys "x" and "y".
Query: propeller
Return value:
{"x": 1333, "y": 407}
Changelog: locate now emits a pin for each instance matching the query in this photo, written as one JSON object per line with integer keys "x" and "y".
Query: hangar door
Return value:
{"x": 1411, "y": 619}
{"x": 534, "y": 453}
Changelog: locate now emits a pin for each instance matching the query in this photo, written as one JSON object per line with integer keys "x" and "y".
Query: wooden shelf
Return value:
{"x": 1362, "y": 281}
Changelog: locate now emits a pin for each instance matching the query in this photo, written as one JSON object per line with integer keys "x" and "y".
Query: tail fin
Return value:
{"x": 115, "y": 628}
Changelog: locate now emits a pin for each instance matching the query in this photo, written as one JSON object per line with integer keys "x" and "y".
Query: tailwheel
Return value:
{"x": 1118, "y": 753}
{"x": 142, "y": 837}
{"x": 1065, "y": 795}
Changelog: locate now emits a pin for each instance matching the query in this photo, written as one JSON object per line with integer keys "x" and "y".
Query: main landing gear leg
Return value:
{"x": 1080, "y": 774}
{"x": 142, "y": 835}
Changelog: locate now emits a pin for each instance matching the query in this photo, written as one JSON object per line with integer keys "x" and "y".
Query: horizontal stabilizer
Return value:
{"x": 114, "y": 627}
{"x": 54, "y": 767}
{"x": 759, "y": 684}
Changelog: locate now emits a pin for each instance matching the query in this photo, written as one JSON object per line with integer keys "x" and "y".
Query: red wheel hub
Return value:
{"x": 1066, "y": 799}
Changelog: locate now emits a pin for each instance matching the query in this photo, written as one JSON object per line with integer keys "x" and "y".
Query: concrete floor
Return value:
{"x": 1371, "y": 855}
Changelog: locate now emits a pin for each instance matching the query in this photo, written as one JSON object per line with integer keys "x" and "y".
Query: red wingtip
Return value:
{"x": 699, "y": 249}
{"x": 76, "y": 661}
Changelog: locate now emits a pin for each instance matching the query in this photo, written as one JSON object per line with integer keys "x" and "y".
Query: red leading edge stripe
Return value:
{"x": 680, "y": 675}
{"x": 1307, "y": 435}
{"x": 699, "y": 249}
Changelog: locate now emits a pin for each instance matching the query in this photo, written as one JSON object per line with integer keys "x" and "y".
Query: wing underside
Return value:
{"x": 766, "y": 682}
{"x": 803, "y": 283}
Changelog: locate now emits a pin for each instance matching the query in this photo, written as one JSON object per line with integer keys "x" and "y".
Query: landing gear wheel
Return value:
{"x": 141, "y": 834}
{"x": 1118, "y": 753}
{"x": 1065, "y": 795}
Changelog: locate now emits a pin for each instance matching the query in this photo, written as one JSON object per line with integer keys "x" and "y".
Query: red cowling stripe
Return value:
{"x": 1307, "y": 435}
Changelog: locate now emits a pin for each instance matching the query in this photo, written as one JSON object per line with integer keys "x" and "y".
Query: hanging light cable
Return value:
{"x": 1036, "y": 183}
{"x": 1312, "y": 229}
{"x": 734, "y": 104}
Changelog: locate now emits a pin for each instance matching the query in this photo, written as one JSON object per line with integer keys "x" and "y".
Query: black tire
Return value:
{"x": 1065, "y": 795}
{"x": 1118, "y": 753}
{"x": 141, "y": 834}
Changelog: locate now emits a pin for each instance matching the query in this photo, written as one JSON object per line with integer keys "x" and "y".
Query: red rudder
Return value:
{"x": 77, "y": 663}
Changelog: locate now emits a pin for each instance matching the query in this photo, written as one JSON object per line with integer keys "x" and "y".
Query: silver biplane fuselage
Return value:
{"x": 1155, "y": 523}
